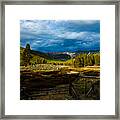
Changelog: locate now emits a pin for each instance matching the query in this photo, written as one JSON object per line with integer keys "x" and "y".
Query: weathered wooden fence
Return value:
{"x": 87, "y": 88}
{"x": 84, "y": 87}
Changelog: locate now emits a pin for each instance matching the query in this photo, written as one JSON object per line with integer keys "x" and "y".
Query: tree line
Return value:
{"x": 89, "y": 59}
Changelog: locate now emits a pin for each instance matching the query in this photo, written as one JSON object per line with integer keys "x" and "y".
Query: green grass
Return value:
{"x": 57, "y": 61}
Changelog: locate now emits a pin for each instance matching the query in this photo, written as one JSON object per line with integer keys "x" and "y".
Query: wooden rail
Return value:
{"x": 70, "y": 88}
{"x": 74, "y": 92}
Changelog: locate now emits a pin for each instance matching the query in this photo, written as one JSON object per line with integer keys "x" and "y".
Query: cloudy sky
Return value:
{"x": 60, "y": 35}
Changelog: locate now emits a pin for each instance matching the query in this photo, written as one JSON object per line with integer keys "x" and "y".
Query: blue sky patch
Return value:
{"x": 60, "y": 35}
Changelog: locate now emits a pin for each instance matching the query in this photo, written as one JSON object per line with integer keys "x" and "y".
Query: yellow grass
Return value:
{"x": 88, "y": 68}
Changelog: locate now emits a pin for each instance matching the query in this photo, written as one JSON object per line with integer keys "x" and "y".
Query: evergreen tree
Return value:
{"x": 85, "y": 60}
{"x": 26, "y": 55}
{"x": 97, "y": 59}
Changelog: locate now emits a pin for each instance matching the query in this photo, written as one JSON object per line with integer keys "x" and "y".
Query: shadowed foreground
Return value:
{"x": 59, "y": 85}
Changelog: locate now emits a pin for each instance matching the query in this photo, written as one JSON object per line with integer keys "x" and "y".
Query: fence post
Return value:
{"x": 70, "y": 86}
{"x": 93, "y": 86}
{"x": 84, "y": 87}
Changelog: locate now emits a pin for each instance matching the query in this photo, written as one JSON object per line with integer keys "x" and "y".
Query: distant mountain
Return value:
{"x": 87, "y": 51}
{"x": 50, "y": 56}
{"x": 37, "y": 53}
{"x": 60, "y": 56}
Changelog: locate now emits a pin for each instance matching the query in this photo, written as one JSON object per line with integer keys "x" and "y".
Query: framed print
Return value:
{"x": 60, "y": 60}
